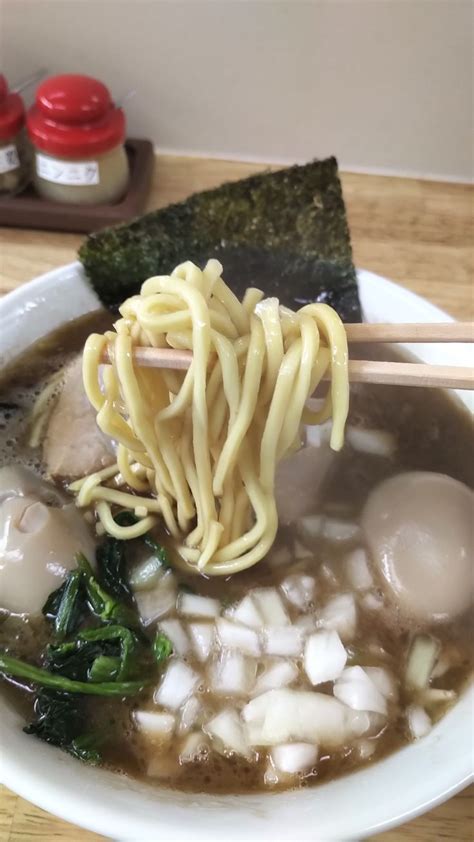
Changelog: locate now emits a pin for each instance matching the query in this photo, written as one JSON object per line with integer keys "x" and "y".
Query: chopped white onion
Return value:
{"x": 340, "y": 531}
{"x": 270, "y": 606}
{"x": 327, "y": 574}
{"x": 247, "y": 613}
{"x": 357, "y": 690}
{"x": 174, "y": 631}
{"x": 375, "y": 442}
{"x": 307, "y": 623}
{"x": 377, "y": 724}
{"x": 228, "y": 730}
{"x": 158, "y": 601}
{"x": 270, "y": 777}
{"x": 202, "y": 636}
{"x": 195, "y": 748}
{"x": 278, "y": 673}
{"x": 372, "y": 601}
{"x": 340, "y": 614}
{"x": 145, "y": 574}
{"x": 283, "y": 640}
{"x": 443, "y": 664}
{"x": 191, "y": 712}
{"x": 294, "y": 758}
{"x": 433, "y": 696}
{"x": 324, "y": 657}
{"x": 155, "y": 723}
{"x": 235, "y": 636}
{"x": 176, "y": 686}
{"x": 365, "y": 748}
{"x": 285, "y": 715}
{"x": 384, "y": 681}
{"x": 193, "y": 605}
{"x": 299, "y": 590}
{"x": 421, "y": 661}
{"x": 318, "y": 434}
{"x": 419, "y": 722}
{"x": 309, "y": 528}
{"x": 357, "y": 570}
{"x": 232, "y": 674}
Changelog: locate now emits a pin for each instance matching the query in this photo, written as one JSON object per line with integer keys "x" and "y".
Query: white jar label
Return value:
{"x": 77, "y": 173}
{"x": 9, "y": 159}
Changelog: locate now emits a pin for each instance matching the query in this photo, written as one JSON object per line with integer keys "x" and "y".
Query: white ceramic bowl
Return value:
{"x": 395, "y": 790}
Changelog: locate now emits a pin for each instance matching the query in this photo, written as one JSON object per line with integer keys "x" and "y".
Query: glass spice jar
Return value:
{"x": 78, "y": 138}
{"x": 14, "y": 163}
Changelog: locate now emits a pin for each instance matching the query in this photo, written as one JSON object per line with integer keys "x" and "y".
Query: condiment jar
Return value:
{"x": 78, "y": 136}
{"x": 13, "y": 147}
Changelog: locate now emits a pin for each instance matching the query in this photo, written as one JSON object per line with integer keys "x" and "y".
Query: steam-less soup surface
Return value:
{"x": 350, "y": 639}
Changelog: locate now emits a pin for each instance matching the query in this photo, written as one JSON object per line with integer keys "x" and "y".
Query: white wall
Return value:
{"x": 385, "y": 85}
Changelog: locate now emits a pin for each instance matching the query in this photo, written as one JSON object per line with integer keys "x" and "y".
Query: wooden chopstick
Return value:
{"x": 411, "y": 374}
{"x": 365, "y": 371}
{"x": 360, "y": 371}
{"x": 415, "y": 332}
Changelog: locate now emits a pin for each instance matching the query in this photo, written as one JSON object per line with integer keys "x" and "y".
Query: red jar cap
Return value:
{"x": 74, "y": 116}
{"x": 12, "y": 112}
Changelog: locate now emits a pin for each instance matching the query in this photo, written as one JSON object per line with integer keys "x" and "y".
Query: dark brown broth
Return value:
{"x": 433, "y": 432}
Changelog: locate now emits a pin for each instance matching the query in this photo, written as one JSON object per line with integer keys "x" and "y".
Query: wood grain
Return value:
{"x": 418, "y": 233}
{"x": 360, "y": 371}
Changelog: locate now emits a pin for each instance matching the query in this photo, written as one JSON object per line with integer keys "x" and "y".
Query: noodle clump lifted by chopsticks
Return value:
{"x": 199, "y": 448}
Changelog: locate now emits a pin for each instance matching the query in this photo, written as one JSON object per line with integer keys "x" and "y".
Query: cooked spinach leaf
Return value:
{"x": 111, "y": 657}
{"x": 15, "y": 668}
{"x": 69, "y": 604}
{"x": 59, "y": 717}
{"x": 162, "y": 647}
{"x": 86, "y": 747}
{"x": 105, "y": 606}
{"x": 158, "y": 551}
{"x": 104, "y": 668}
{"x": 70, "y": 610}
{"x": 112, "y": 568}
{"x": 127, "y": 518}
{"x": 78, "y": 659}
{"x": 60, "y": 720}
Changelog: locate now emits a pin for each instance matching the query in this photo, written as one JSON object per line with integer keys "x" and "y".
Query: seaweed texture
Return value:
{"x": 285, "y": 232}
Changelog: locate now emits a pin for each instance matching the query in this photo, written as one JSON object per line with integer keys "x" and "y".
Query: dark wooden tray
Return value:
{"x": 28, "y": 210}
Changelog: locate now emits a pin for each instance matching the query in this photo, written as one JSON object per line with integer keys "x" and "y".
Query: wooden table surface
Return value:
{"x": 418, "y": 233}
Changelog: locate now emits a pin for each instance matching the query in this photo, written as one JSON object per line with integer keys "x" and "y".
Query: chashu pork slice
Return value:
{"x": 74, "y": 445}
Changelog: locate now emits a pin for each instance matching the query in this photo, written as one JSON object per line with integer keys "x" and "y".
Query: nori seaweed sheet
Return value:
{"x": 284, "y": 232}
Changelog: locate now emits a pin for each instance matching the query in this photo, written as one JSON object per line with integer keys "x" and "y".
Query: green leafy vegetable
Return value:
{"x": 105, "y": 606}
{"x": 68, "y": 604}
{"x": 60, "y": 720}
{"x": 127, "y": 518}
{"x": 86, "y": 748}
{"x": 126, "y": 640}
{"x": 104, "y": 668}
{"x": 15, "y": 668}
{"x": 112, "y": 567}
{"x": 69, "y": 611}
{"x": 158, "y": 551}
{"x": 111, "y": 658}
{"x": 162, "y": 647}
{"x": 76, "y": 658}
